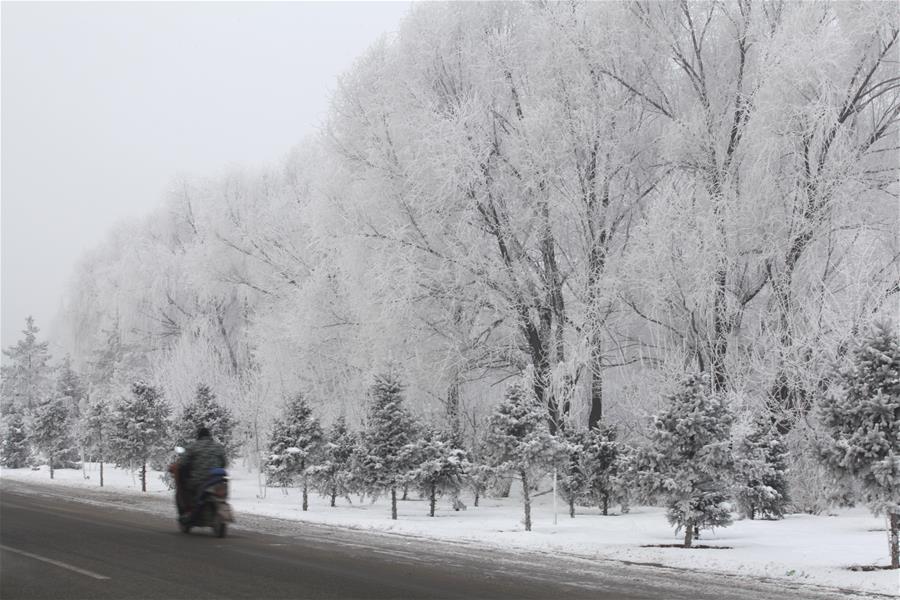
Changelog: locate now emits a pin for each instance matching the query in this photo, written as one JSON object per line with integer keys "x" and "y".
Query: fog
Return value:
{"x": 103, "y": 104}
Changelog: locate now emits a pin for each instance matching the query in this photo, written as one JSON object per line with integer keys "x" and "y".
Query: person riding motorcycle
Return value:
{"x": 201, "y": 456}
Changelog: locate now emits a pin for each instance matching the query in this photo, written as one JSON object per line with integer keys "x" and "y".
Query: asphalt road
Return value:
{"x": 106, "y": 546}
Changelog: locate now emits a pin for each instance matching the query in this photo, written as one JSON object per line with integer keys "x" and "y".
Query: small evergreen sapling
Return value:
{"x": 332, "y": 475}
{"x": 95, "y": 431}
{"x": 862, "y": 425}
{"x": 207, "y": 411}
{"x": 519, "y": 442}
{"x": 15, "y": 452}
{"x": 603, "y": 460}
{"x": 689, "y": 460}
{"x": 573, "y": 479}
{"x": 385, "y": 459}
{"x": 140, "y": 428}
{"x": 295, "y": 442}
{"x": 760, "y": 471}
{"x": 51, "y": 433}
{"x": 441, "y": 466}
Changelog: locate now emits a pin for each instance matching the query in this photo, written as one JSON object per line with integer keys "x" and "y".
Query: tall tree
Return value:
{"x": 51, "y": 433}
{"x": 294, "y": 445}
{"x": 139, "y": 429}
{"x": 206, "y": 411}
{"x": 14, "y": 450}
{"x": 26, "y": 379}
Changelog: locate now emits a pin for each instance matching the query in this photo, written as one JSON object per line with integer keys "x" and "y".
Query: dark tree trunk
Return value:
{"x": 572, "y": 506}
{"x": 895, "y": 540}
{"x": 405, "y": 491}
{"x": 477, "y": 496}
{"x": 688, "y": 534}
{"x": 333, "y": 495}
{"x": 605, "y": 505}
{"x": 144, "y": 477}
{"x": 526, "y": 497}
{"x": 432, "y": 498}
{"x": 101, "y": 471}
{"x": 394, "y": 503}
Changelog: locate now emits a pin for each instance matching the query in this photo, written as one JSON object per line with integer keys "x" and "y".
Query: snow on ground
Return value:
{"x": 816, "y": 550}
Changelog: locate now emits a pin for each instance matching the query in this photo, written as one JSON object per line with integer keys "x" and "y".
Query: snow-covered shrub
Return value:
{"x": 440, "y": 468}
{"x": 331, "y": 476}
{"x": 51, "y": 434}
{"x": 861, "y": 419}
{"x": 295, "y": 440}
{"x": 14, "y": 450}
{"x": 688, "y": 460}
{"x": 760, "y": 483}
{"x": 519, "y": 442}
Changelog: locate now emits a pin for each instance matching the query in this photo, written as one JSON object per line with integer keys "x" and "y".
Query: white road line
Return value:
{"x": 55, "y": 562}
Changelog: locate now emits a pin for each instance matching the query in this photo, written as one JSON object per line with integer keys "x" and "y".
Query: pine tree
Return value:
{"x": 26, "y": 379}
{"x": 295, "y": 441}
{"x": 519, "y": 442}
{"x": 441, "y": 465}
{"x": 862, "y": 425}
{"x": 95, "y": 431}
{"x": 70, "y": 388}
{"x": 386, "y": 460}
{"x": 603, "y": 465}
{"x": 573, "y": 480}
{"x": 689, "y": 458}
{"x": 140, "y": 428}
{"x": 760, "y": 471}
{"x": 14, "y": 451}
{"x": 51, "y": 433}
{"x": 206, "y": 411}
{"x": 332, "y": 475}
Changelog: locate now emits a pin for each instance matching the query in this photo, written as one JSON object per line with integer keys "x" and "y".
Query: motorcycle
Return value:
{"x": 212, "y": 509}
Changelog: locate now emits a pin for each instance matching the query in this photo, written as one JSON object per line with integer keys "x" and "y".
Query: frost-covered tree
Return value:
{"x": 760, "y": 470}
{"x": 206, "y": 410}
{"x": 51, "y": 433}
{"x": 688, "y": 459}
{"x": 441, "y": 467}
{"x": 95, "y": 431}
{"x": 573, "y": 479}
{"x": 519, "y": 442}
{"x": 603, "y": 463}
{"x": 14, "y": 450}
{"x": 331, "y": 476}
{"x": 385, "y": 459}
{"x": 862, "y": 424}
{"x": 27, "y": 376}
{"x": 139, "y": 429}
{"x": 295, "y": 441}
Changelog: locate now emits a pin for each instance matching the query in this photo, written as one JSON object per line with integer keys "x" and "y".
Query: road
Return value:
{"x": 99, "y": 545}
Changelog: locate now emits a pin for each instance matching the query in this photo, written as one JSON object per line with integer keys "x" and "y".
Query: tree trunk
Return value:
{"x": 305, "y": 495}
{"x": 394, "y": 503}
{"x": 605, "y": 505}
{"x": 688, "y": 534}
{"x": 477, "y": 496}
{"x": 405, "y": 491}
{"x": 895, "y": 540}
{"x": 432, "y": 498}
{"x": 526, "y": 497}
{"x": 572, "y": 506}
{"x": 101, "y": 471}
{"x": 144, "y": 476}
{"x": 333, "y": 495}
{"x": 51, "y": 466}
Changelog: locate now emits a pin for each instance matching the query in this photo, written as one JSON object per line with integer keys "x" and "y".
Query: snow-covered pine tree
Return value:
{"x": 14, "y": 450}
{"x": 51, "y": 433}
{"x": 689, "y": 459}
{"x": 385, "y": 461}
{"x": 139, "y": 429}
{"x": 331, "y": 476}
{"x": 861, "y": 420}
{"x": 573, "y": 480}
{"x": 95, "y": 431}
{"x": 26, "y": 379}
{"x": 206, "y": 410}
{"x": 441, "y": 465}
{"x": 70, "y": 388}
{"x": 603, "y": 466}
{"x": 293, "y": 446}
{"x": 519, "y": 443}
{"x": 760, "y": 457}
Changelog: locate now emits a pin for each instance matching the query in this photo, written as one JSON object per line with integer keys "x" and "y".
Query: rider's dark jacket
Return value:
{"x": 201, "y": 456}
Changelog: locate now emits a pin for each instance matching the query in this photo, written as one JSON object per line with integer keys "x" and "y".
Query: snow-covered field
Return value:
{"x": 816, "y": 550}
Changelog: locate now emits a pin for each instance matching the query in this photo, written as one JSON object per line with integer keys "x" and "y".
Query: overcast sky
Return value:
{"x": 104, "y": 103}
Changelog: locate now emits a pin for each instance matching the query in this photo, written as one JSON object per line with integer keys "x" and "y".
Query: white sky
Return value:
{"x": 104, "y": 103}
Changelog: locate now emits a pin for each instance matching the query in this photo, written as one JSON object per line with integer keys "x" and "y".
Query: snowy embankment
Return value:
{"x": 814, "y": 550}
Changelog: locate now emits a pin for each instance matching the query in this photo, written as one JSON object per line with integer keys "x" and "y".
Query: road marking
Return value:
{"x": 55, "y": 562}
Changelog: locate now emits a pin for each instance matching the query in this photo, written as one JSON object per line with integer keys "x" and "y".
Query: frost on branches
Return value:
{"x": 603, "y": 462}
{"x": 51, "y": 434}
{"x": 519, "y": 443}
{"x": 295, "y": 440}
{"x": 140, "y": 429}
{"x": 384, "y": 458}
{"x": 206, "y": 411}
{"x": 760, "y": 471}
{"x": 441, "y": 466}
{"x": 688, "y": 460}
{"x": 862, "y": 424}
{"x": 14, "y": 451}
{"x": 332, "y": 475}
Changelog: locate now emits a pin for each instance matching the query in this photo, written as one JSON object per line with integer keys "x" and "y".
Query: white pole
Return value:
{"x": 554, "y": 495}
